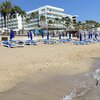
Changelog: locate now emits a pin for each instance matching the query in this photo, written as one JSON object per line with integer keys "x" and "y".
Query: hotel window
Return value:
{"x": 42, "y": 10}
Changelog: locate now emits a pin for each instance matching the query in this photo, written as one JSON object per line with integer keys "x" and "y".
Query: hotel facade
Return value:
{"x": 50, "y": 13}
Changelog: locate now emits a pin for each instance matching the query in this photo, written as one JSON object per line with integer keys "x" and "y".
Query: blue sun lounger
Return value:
{"x": 30, "y": 42}
{"x": 8, "y": 44}
{"x": 20, "y": 44}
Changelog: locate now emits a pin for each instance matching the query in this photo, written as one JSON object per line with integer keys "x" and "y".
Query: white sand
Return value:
{"x": 18, "y": 63}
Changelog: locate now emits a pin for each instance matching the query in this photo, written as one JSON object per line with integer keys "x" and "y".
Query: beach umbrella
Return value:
{"x": 11, "y": 35}
{"x": 48, "y": 36}
{"x": 80, "y": 37}
{"x": 89, "y": 36}
{"x": 96, "y": 35}
{"x": 31, "y": 37}
{"x": 69, "y": 35}
{"x": 63, "y": 34}
{"x": 42, "y": 33}
{"x": 59, "y": 36}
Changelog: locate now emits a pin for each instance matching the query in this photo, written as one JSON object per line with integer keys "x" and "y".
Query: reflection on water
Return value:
{"x": 87, "y": 87}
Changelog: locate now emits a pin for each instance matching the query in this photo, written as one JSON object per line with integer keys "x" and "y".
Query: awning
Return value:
{"x": 53, "y": 28}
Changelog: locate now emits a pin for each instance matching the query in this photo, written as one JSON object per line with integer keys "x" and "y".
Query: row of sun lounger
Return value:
{"x": 86, "y": 42}
{"x": 18, "y": 43}
{"x": 54, "y": 41}
{"x": 83, "y": 42}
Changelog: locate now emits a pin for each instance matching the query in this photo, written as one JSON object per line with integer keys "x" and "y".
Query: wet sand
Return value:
{"x": 44, "y": 72}
{"x": 47, "y": 88}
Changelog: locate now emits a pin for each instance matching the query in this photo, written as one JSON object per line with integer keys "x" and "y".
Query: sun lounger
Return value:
{"x": 8, "y": 44}
{"x": 50, "y": 41}
{"x": 33, "y": 42}
{"x": 20, "y": 44}
{"x": 12, "y": 41}
{"x": 30, "y": 42}
{"x": 80, "y": 42}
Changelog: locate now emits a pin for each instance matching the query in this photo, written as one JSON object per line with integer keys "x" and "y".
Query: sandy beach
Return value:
{"x": 44, "y": 72}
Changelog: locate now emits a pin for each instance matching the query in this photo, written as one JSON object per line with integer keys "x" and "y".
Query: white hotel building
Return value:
{"x": 49, "y": 12}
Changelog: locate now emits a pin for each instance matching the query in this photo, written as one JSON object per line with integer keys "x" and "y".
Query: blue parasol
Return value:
{"x": 63, "y": 34}
{"x": 80, "y": 37}
{"x": 89, "y": 35}
{"x": 59, "y": 36}
{"x": 69, "y": 35}
{"x": 48, "y": 36}
{"x": 96, "y": 35}
{"x": 11, "y": 35}
{"x": 42, "y": 33}
{"x": 31, "y": 37}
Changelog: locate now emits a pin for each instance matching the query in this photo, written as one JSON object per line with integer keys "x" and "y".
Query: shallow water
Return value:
{"x": 85, "y": 87}
{"x": 53, "y": 87}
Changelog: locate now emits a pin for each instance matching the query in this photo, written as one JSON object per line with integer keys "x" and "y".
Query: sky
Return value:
{"x": 85, "y": 9}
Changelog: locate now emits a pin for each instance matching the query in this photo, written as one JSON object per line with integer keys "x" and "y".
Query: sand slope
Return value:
{"x": 18, "y": 63}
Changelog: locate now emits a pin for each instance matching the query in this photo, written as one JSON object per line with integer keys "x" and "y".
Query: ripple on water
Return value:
{"x": 85, "y": 87}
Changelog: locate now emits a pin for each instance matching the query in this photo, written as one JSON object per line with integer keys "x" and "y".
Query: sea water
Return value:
{"x": 86, "y": 87}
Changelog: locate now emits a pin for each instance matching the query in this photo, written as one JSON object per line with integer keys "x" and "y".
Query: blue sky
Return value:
{"x": 85, "y": 9}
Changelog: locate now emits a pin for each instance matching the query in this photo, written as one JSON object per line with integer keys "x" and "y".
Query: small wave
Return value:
{"x": 86, "y": 87}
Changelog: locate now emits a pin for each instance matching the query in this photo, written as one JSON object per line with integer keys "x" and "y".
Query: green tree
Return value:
{"x": 68, "y": 22}
{"x": 34, "y": 15}
{"x": 90, "y": 24}
{"x": 27, "y": 20}
{"x": 78, "y": 26}
{"x": 1, "y": 15}
{"x": 42, "y": 20}
{"x": 8, "y": 11}
{"x": 50, "y": 22}
{"x": 5, "y": 10}
{"x": 56, "y": 21}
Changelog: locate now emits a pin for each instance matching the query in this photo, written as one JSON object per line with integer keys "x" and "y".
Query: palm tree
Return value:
{"x": 8, "y": 11}
{"x": 90, "y": 24}
{"x": 63, "y": 20}
{"x": 68, "y": 22}
{"x": 78, "y": 26}
{"x": 21, "y": 13}
{"x": 50, "y": 22}
{"x": 74, "y": 22}
{"x": 56, "y": 21}
{"x": 42, "y": 20}
{"x": 33, "y": 15}
{"x": 1, "y": 15}
{"x": 5, "y": 11}
{"x": 97, "y": 25}
{"x": 27, "y": 20}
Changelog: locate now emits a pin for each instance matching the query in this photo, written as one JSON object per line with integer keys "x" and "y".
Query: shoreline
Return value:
{"x": 43, "y": 86}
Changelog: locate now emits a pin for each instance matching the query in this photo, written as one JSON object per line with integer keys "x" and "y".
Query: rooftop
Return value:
{"x": 46, "y": 6}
